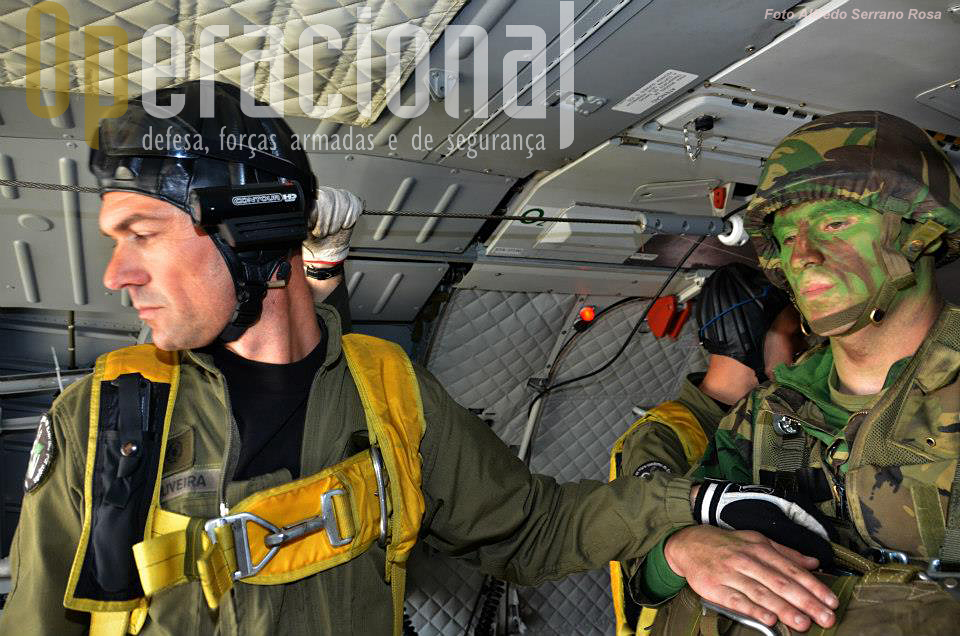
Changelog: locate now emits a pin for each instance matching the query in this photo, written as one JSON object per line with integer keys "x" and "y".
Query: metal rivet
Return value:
{"x": 750, "y": 49}
{"x": 877, "y": 315}
{"x": 349, "y": 157}
{"x": 128, "y": 449}
{"x": 71, "y": 144}
{"x": 931, "y": 441}
{"x": 916, "y": 245}
{"x": 950, "y": 583}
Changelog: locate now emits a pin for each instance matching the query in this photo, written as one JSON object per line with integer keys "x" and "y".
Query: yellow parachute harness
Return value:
{"x": 288, "y": 532}
{"x": 694, "y": 441}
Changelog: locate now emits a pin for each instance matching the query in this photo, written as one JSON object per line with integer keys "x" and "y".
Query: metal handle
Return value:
{"x": 381, "y": 477}
{"x": 743, "y": 619}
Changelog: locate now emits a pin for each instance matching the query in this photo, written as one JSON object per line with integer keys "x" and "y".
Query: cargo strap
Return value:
{"x": 694, "y": 442}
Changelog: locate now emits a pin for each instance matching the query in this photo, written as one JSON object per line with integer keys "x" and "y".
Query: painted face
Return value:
{"x": 176, "y": 278}
{"x": 830, "y": 252}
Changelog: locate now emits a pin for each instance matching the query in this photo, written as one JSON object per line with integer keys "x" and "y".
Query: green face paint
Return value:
{"x": 831, "y": 252}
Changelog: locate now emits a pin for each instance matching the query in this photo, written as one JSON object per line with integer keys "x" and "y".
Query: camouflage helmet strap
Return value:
{"x": 862, "y": 314}
{"x": 921, "y": 236}
{"x": 898, "y": 275}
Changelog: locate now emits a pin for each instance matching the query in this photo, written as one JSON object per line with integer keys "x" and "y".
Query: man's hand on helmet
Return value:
{"x": 329, "y": 241}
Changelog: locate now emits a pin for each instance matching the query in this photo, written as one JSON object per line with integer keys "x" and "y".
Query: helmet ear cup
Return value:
{"x": 736, "y": 307}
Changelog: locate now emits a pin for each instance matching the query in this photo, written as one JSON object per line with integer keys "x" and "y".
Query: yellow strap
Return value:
{"x": 694, "y": 441}
{"x": 109, "y": 623}
{"x": 391, "y": 401}
{"x": 156, "y": 366}
{"x": 180, "y": 551}
{"x": 153, "y": 364}
{"x": 398, "y": 577}
{"x": 686, "y": 426}
{"x": 216, "y": 567}
{"x": 648, "y": 615}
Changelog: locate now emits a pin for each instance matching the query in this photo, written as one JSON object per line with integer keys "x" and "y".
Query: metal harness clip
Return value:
{"x": 327, "y": 520}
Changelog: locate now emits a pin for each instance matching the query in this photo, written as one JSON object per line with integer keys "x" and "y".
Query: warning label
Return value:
{"x": 655, "y": 91}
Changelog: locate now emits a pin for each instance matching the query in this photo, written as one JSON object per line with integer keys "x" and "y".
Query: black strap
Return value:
{"x": 324, "y": 273}
{"x": 133, "y": 406}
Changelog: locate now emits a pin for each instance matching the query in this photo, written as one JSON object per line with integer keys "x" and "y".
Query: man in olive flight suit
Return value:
{"x": 852, "y": 214}
{"x": 265, "y": 396}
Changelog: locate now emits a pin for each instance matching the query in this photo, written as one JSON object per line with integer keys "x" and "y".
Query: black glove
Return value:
{"x": 736, "y": 507}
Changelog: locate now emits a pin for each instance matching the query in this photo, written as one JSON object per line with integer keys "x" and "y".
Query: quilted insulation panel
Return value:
{"x": 487, "y": 345}
{"x": 268, "y": 32}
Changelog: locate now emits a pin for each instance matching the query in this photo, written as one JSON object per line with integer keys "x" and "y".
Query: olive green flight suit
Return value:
{"x": 482, "y": 505}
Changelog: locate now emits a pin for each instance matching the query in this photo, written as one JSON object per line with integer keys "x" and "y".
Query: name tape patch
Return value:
{"x": 189, "y": 482}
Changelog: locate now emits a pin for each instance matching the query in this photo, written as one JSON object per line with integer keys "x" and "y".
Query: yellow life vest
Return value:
{"x": 688, "y": 430}
{"x": 274, "y": 536}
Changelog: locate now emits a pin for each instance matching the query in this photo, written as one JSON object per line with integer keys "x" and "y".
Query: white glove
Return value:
{"x": 336, "y": 214}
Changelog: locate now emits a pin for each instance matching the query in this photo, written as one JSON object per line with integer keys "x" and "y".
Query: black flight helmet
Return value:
{"x": 736, "y": 307}
{"x": 243, "y": 179}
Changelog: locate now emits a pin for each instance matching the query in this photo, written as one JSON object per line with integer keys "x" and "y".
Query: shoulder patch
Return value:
{"x": 42, "y": 455}
{"x": 646, "y": 470}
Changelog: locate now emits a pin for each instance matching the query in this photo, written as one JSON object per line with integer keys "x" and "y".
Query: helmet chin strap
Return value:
{"x": 922, "y": 238}
{"x": 251, "y": 272}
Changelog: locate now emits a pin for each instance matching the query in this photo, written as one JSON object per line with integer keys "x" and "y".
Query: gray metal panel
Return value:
{"x": 390, "y": 291}
{"x": 852, "y": 64}
{"x": 945, "y": 98}
{"x": 512, "y": 275}
{"x": 610, "y": 175}
{"x": 54, "y": 255}
{"x": 688, "y": 35}
{"x": 386, "y": 183}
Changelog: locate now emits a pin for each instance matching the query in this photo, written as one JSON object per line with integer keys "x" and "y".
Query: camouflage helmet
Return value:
{"x": 872, "y": 158}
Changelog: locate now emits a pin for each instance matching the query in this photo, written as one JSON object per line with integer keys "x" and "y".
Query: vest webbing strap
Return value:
{"x": 694, "y": 441}
{"x": 950, "y": 550}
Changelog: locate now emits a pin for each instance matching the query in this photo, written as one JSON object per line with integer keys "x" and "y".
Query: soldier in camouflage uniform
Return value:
{"x": 852, "y": 214}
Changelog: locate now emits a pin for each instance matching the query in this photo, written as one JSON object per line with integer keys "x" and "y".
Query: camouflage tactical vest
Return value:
{"x": 894, "y": 489}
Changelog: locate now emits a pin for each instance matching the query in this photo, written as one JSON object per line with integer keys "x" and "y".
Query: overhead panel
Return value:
{"x": 390, "y": 291}
{"x": 397, "y": 185}
{"x": 550, "y": 277}
{"x": 864, "y": 54}
{"x": 263, "y": 43}
{"x": 628, "y": 173}
{"x": 742, "y": 122}
{"x": 645, "y": 40}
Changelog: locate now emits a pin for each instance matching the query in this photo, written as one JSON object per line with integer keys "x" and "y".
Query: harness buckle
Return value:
{"x": 883, "y": 556}
{"x": 934, "y": 573}
{"x": 326, "y": 520}
{"x": 241, "y": 543}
